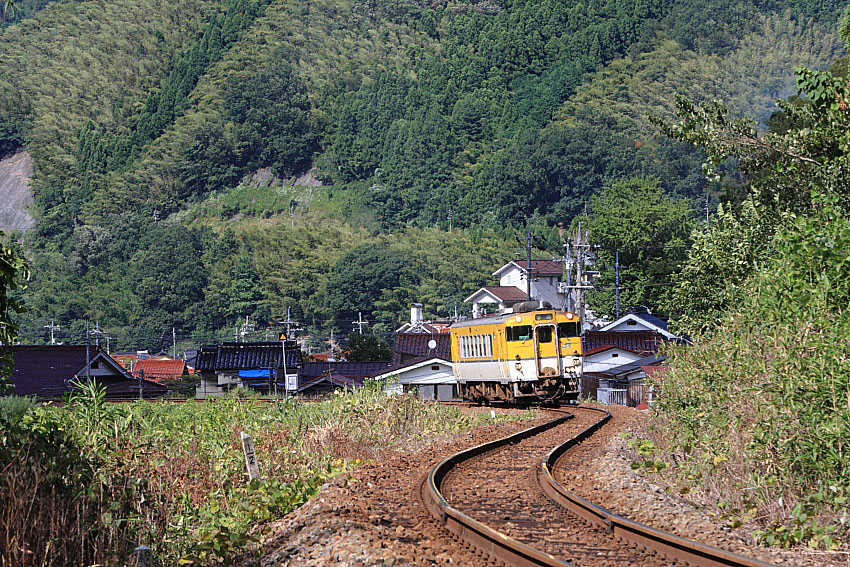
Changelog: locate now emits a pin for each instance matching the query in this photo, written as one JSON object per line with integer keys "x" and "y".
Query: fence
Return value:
{"x": 613, "y": 392}
{"x": 611, "y": 396}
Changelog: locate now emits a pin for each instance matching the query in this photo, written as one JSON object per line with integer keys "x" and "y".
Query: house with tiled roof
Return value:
{"x": 258, "y": 365}
{"x": 421, "y": 359}
{"x": 544, "y": 277}
{"x": 605, "y": 357}
{"x": 624, "y": 384}
{"x": 161, "y": 370}
{"x": 431, "y": 376}
{"x": 318, "y": 379}
{"x": 641, "y": 342}
{"x": 640, "y": 320}
{"x": 48, "y": 372}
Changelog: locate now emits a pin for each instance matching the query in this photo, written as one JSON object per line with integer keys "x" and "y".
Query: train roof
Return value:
{"x": 499, "y": 319}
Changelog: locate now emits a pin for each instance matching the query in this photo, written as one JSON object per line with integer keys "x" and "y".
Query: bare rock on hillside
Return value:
{"x": 15, "y": 196}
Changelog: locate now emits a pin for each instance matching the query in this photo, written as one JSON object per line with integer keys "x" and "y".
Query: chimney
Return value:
{"x": 416, "y": 314}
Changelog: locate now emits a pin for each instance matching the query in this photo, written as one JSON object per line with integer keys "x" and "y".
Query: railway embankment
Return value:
{"x": 375, "y": 517}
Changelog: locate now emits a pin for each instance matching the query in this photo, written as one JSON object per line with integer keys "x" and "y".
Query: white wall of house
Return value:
{"x": 633, "y": 322}
{"x": 424, "y": 376}
{"x": 608, "y": 359}
{"x": 543, "y": 287}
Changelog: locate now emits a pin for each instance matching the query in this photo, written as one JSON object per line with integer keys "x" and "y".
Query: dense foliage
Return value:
{"x": 759, "y": 408}
{"x": 633, "y": 223}
{"x": 14, "y": 271}
{"x": 476, "y": 116}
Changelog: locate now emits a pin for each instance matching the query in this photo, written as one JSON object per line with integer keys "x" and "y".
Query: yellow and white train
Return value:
{"x": 533, "y": 355}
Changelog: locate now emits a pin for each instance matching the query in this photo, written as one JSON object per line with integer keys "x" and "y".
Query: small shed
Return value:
{"x": 432, "y": 377}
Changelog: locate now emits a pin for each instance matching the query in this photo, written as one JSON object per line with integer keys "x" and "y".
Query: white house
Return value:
{"x": 640, "y": 321}
{"x": 546, "y": 280}
{"x": 606, "y": 357}
{"x": 433, "y": 377}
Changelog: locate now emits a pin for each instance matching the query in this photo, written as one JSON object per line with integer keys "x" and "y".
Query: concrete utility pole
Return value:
{"x": 52, "y": 328}
{"x": 617, "y": 282}
{"x": 529, "y": 239}
{"x": 359, "y": 323}
{"x": 88, "y": 353}
{"x": 291, "y": 326}
{"x": 578, "y": 253}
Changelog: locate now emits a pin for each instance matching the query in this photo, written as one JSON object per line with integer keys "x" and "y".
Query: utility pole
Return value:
{"x": 617, "y": 282}
{"x": 97, "y": 332}
{"x": 359, "y": 323}
{"x": 332, "y": 344}
{"x": 706, "y": 209}
{"x": 52, "y": 328}
{"x": 577, "y": 254}
{"x": 174, "y": 342}
{"x": 88, "y": 353}
{"x": 529, "y": 239}
{"x": 291, "y": 326}
{"x": 451, "y": 214}
{"x": 141, "y": 383}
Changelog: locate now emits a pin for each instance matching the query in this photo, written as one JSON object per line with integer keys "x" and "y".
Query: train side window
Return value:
{"x": 490, "y": 345}
{"x": 519, "y": 333}
{"x": 464, "y": 344}
{"x": 567, "y": 330}
{"x": 544, "y": 334}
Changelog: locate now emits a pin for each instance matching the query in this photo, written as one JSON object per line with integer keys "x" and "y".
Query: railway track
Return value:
{"x": 503, "y": 498}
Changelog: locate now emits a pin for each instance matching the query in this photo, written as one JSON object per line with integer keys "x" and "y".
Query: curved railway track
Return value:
{"x": 503, "y": 498}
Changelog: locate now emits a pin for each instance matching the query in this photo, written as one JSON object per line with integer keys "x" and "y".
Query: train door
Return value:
{"x": 546, "y": 351}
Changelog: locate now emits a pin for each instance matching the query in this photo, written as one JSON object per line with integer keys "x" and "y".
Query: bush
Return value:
{"x": 761, "y": 406}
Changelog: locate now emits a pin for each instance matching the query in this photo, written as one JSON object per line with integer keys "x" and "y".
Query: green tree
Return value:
{"x": 794, "y": 171}
{"x": 361, "y": 275}
{"x": 272, "y": 111}
{"x": 13, "y": 271}
{"x": 168, "y": 278}
{"x": 366, "y": 348}
{"x": 651, "y": 233}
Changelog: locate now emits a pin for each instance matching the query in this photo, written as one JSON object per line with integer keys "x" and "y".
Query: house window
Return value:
{"x": 435, "y": 367}
{"x": 615, "y": 355}
{"x": 95, "y": 364}
{"x": 631, "y": 322}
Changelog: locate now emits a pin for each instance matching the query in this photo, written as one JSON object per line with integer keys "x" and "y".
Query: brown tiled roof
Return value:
{"x": 540, "y": 267}
{"x": 414, "y": 345}
{"x": 641, "y": 342}
{"x": 506, "y": 293}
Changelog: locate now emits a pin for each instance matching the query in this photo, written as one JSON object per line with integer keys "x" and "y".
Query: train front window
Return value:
{"x": 544, "y": 334}
{"x": 519, "y": 333}
{"x": 568, "y": 330}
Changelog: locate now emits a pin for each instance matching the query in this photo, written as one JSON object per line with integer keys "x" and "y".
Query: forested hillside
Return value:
{"x": 432, "y": 132}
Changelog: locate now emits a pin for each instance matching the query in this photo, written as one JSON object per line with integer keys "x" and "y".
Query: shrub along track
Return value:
{"x": 523, "y": 516}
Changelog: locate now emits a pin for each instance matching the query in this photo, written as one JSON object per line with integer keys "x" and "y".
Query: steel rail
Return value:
{"x": 472, "y": 531}
{"x": 673, "y": 546}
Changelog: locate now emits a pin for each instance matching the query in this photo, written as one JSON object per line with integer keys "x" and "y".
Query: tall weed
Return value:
{"x": 760, "y": 406}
